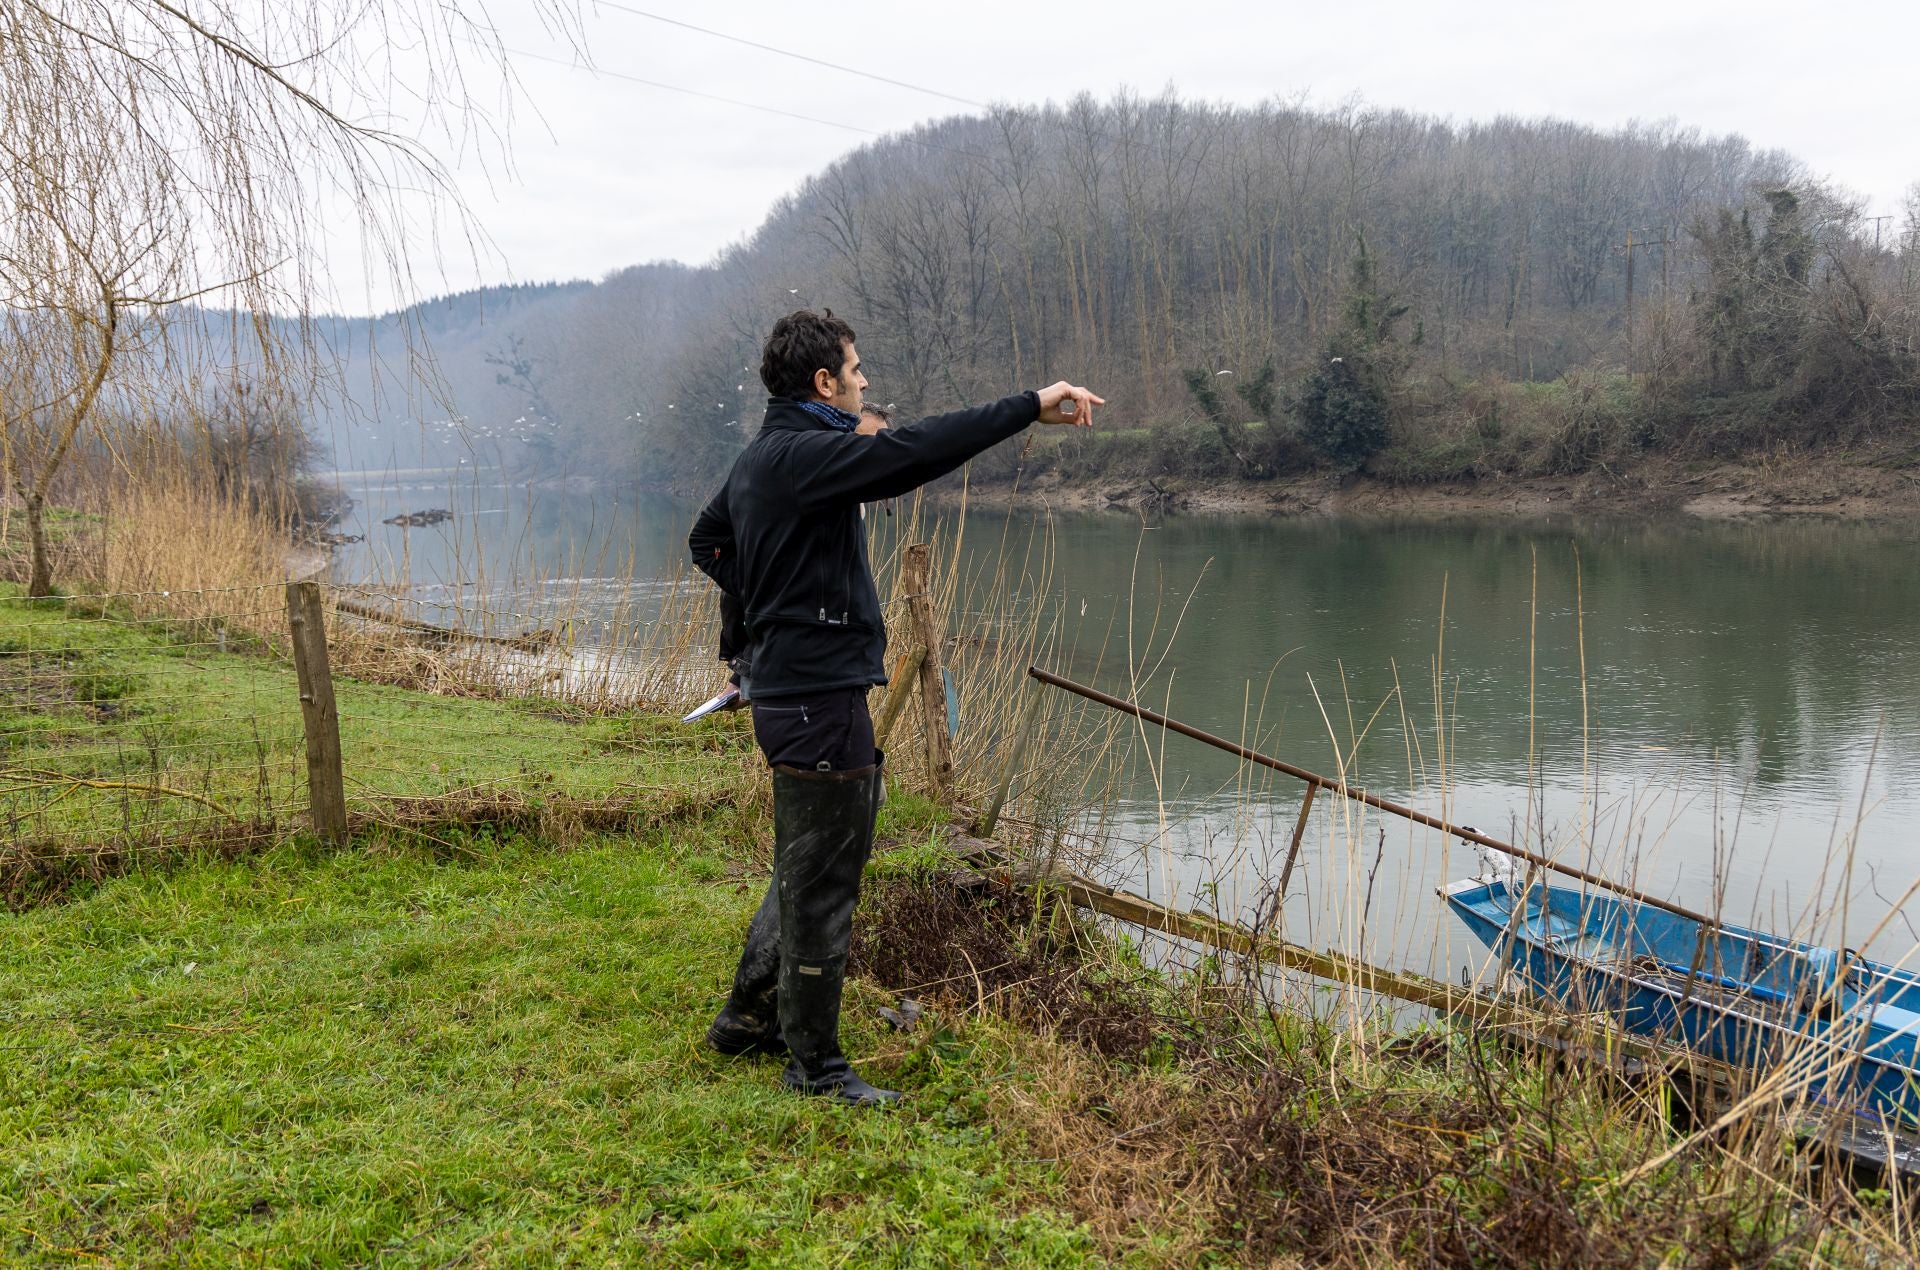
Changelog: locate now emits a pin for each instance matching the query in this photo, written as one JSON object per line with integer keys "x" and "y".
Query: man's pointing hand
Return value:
{"x": 1065, "y": 403}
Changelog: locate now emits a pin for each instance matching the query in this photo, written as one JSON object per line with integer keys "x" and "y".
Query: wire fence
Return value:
{"x": 141, "y": 723}
{"x": 130, "y": 722}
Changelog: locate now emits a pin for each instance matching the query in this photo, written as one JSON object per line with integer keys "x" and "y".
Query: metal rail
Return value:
{"x": 1315, "y": 780}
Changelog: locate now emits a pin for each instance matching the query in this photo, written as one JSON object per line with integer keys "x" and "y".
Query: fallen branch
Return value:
{"x": 38, "y": 777}
{"x": 532, "y": 642}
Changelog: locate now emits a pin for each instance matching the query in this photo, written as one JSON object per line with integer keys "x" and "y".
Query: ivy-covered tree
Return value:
{"x": 1233, "y": 433}
{"x": 1261, "y": 392}
{"x": 1200, "y": 388}
{"x": 1752, "y": 312}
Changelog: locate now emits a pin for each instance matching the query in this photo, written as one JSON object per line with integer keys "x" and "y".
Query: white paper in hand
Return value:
{"x": 728, "y": 695}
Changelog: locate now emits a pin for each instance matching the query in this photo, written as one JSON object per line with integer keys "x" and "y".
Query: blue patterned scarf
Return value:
{"x": 831, "y": 415}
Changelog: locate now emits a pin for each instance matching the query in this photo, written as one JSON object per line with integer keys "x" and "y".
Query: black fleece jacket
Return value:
{"x": 784, "y": 534}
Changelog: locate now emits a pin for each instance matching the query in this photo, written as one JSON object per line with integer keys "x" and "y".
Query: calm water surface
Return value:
{"x": 1716, "y": 709}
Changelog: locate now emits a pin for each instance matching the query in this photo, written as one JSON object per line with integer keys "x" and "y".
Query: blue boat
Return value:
{"x": 1845, "y": 1028}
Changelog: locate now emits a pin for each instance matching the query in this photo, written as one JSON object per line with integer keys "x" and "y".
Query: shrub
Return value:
{"x": 1343, "y": 403}
{"x": 1343, "y": 413}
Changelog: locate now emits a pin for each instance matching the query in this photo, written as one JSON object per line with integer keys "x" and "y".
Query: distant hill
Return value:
{"x": 1163, "y": 248}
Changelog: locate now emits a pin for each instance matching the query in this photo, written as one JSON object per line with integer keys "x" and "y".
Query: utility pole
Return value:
{"x": 1876, "y": 229}
{"x": 1627, "y": 249}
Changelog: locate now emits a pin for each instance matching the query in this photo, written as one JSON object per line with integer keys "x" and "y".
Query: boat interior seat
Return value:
{"x": 1896, "y": 1020}
{"x": 1600, "y": 950}
{"x": 1569, "y": 938}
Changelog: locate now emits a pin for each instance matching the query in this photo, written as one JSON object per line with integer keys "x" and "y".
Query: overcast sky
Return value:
{"x": 608, "y": 172}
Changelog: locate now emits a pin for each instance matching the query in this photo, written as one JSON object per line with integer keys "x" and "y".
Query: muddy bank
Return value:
{"x": 1852, "y": 488}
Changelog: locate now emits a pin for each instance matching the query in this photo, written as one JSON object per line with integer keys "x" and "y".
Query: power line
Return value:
{"x": 691, "y": 92}
{"x": 734, "y": 101}
{"x": 770, "y": 48}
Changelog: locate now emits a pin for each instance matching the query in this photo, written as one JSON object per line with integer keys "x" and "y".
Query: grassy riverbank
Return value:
{"x": 474, "y": 1036}
{"x": 134, "y": 739}
{"x": 380, "y": 1056}
{"x": 469, "y": 1036}
{"x": 495, "y": 1058}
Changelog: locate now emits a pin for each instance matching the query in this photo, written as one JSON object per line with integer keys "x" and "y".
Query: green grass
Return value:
{"x": 380, "y": 1058}
{"x": 183, "y": 731}
{"x": 468, "y": 1042}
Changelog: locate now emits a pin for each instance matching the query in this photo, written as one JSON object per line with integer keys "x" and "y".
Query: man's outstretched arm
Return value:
{"x": 897, "y": 461}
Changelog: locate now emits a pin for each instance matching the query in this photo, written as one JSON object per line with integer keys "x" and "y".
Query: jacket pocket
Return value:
{"x": 833, "y": 588}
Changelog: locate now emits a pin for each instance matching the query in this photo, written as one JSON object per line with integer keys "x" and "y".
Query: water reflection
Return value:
{"x": 1701, "y": 706}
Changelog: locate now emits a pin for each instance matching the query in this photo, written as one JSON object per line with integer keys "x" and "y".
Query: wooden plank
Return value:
{"x": 1401, "y": 985}
{"x": 326, "y": 782}
{"x": 916, "y": 580}
{"x": 899, "y": 687}
{"x": 532, "y": 642}
{"x": 1215, "y": 933}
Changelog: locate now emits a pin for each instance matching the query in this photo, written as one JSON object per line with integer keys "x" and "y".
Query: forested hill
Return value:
{"x": 1299, "y": 286}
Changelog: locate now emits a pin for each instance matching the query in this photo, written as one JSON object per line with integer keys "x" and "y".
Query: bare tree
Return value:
{"x": 151, "y": 155}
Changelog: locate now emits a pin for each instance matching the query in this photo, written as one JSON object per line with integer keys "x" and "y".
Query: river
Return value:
{"x": 1726, "y": 712}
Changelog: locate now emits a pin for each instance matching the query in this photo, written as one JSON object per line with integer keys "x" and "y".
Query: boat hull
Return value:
{"x": 1837, "y": 1030}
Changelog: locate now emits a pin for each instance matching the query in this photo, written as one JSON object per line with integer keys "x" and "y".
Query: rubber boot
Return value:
{"x": 750, "y": 1022}
{"x": 823, "y": 822}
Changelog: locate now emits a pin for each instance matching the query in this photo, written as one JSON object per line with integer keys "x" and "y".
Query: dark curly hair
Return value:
{"x": 801, "y": 343}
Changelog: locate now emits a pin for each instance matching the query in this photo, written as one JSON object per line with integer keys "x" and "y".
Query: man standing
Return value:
{"x": 784, "y": 536}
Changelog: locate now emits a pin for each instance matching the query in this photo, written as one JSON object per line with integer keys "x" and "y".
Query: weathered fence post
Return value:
{"x": 904, "y": 672}
{"x": 916, "y": 581}
{"x": 326, "y": 783}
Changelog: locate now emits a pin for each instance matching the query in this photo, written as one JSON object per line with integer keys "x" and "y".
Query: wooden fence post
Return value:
{"x": 916, "y": 581}
{"x": 1299, "y": 833}
{"x": 901, "y": 683}
{"x": 326, "y": 782}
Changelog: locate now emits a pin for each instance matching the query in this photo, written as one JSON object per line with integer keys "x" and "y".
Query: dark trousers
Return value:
{"x": 825, "y": 732}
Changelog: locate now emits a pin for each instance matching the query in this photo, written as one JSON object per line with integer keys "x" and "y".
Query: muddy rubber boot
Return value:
{"x": 824, "y": 823}
{"x": 750, "y": 1022}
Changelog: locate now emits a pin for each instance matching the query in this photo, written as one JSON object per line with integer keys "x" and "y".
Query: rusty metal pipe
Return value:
{"x": 1361, "y": 796}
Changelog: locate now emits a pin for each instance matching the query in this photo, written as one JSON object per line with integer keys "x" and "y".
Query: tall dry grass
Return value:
{"x": 1000, "y": 608}
{"x": 1725, "y": 1181}
{"x": 172, "y": 544}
